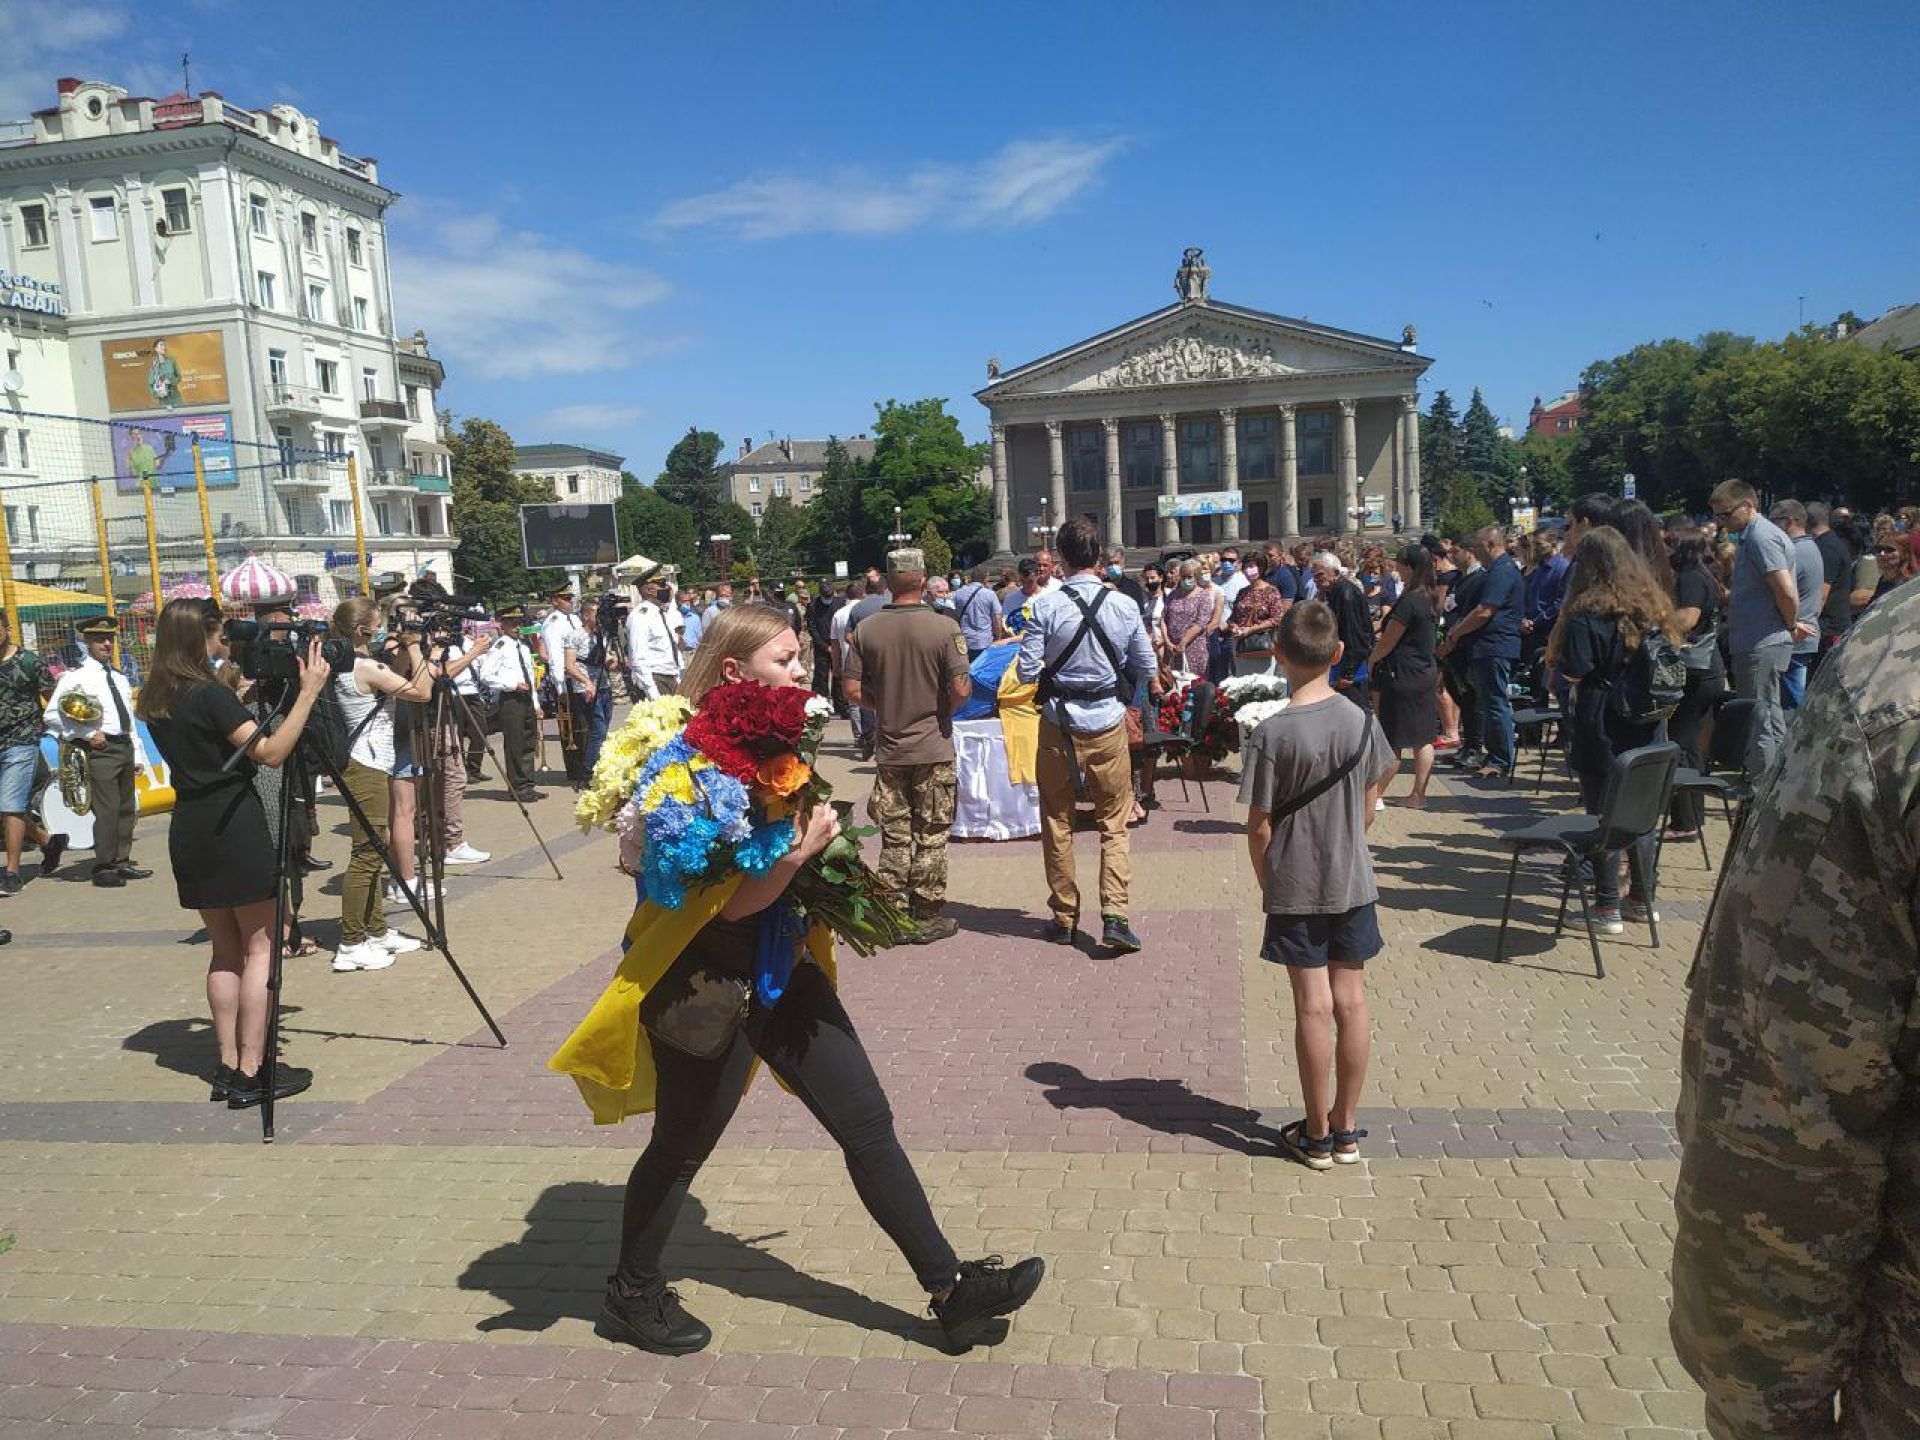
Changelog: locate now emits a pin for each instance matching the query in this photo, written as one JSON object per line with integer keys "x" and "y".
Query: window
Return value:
{"x": 1316, "y": 512}
{"x": 1086, "y": 458}
{"x": 354, "y": 253}
{"x": 334, "y": 442}
{"x": 413, "y": 402}
{"x": 3, "y": 449}
{"x": 1562, "y": 423}
{"x": 26, "y": 462}
{"x": 340, "y": 516}
{"x": 1140, "y": 456}
{"x": 179, "y": 217}
{"x": 382, "y": 521}
{"x": 257, "y": 214}
{"x": 758, "y": 509}
{"x": 376, "y": 455}
{"x": 326, "y": 375}
{"x": 283, "y": 440}
{"x": 573, "y": 484}
{"x": 277, "y": 369}
{"x": 307, "y": 587}
{"x": 269, "y": 295}
{"x": 310, "y": 231}
{"x": 1199, "y": 455}
{"x": 1315, "y": 439}
{"x": 1257, "y": 452}
{"x": 779, "y": 484}
{"x": 316, "y": 302}
{"x": 1259, "y": 527}
{"x": 369, "y": 383}
{"x": 33, "y": 223}
{"x": 360, "y": 314}
{"x": 806, "y": 482}
{"x": 103, "y": 217}
{"x": 753, "y": 484}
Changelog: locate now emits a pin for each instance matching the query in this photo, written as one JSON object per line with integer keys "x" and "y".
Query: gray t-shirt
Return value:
{"x": 1809, "y": 574}
{"x": 1752, "y": 617}
{"x": 1317, "y": 862}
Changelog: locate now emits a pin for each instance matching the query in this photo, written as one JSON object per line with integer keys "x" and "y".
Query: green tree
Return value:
{"x": 1440, "y": 459}
{"x": 653, "y": 526}
{"x": 1466, "y": 509}
{"x": 1549, "y": 474}
{"x": 487, "y": 497}
{"x": 776, "y": 540}
{"x": 939, "y": 554}
{"x": 689, "y": 479}
{"x": 834, "y": 521}
{"x": 1486, "y": 454}
{"x": 1640, "y": 419}
{"x": 922, "y": 463}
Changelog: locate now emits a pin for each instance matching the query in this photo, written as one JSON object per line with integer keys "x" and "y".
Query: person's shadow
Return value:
{"x": 558, "y": 1269}
{"x": 1168, "y": 1106}
{"x": 185, "y": 1046}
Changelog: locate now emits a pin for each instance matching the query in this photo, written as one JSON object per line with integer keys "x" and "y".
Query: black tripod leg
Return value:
{"x": 500, "y": 770}
{"x": 282, "y": 878}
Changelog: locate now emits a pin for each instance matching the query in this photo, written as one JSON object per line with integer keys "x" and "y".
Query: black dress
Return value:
{"x": 1408, "y": 690}
{"x": 221, "y": 850}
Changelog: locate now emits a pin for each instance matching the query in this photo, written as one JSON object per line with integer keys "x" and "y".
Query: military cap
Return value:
{"x": 513, "y": 611}
{"x": 97, "y": 627}
{"x": 907, "y": 562}
{"x": 560, "y": 591}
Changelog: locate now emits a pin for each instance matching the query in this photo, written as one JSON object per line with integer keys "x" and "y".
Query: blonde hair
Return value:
{"x": 735, "y": 634}
{"x": 351, "y": 616}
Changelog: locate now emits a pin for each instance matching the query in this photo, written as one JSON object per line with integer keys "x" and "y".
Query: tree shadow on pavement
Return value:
{"x": 1168, "y": 1106}
{"x": 558, "y": 1268}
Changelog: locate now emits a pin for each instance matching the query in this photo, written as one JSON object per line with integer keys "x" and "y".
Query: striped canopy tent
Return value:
{"x": 254, "y": 582}
{"x": 187, "y": 589}
{"x": 37, "y": 599}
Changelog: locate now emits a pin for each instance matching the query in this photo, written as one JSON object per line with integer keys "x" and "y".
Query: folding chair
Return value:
{"x": 1733, "y": 724}
{"x": 1634, "y": 804}
{"x": 1548, "y": 717}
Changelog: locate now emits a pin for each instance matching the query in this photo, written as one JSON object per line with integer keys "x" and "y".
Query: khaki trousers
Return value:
{"x": 363, "y": 910}
{"x": 110, "y": 775}
{"x": 1108, "y": 774}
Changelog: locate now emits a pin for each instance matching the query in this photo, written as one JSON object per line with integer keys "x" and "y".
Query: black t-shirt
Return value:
{"x": 1412, "y": 658}
{"x": 1836, "y": 563}
{"x": 1694, "y": 589}
{"x": 193, "y": 738}
{"x": 1592, "y": 656}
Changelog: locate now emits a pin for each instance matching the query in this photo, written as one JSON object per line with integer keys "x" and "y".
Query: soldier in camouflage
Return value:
{"x": 1796, "y": 1268}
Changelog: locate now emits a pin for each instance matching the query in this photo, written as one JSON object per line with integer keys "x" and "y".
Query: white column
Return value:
{"x": 227, "y": 276}
{"x": 1116, "y": 518}
{"x": 1349, "y": 468}
{"x": 1410, "y": 467}
{"x": 1056, "y": 477}
{"x": 1169, "y": 476}
{"x": 1289, "y": 517}
{"x": 146, "y": 292}
{"x": 1002, "y": 504}
{"x": 65, "y": 215}
{"x": 1230, "y": 461}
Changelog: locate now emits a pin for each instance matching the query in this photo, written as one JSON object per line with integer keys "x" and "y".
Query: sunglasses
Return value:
{"x": 1886, "y": 549}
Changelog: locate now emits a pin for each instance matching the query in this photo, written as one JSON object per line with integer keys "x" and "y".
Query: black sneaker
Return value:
{"x": 9, "y": 883}
{"x": 223, "y": 1078}
{"x": 109, "y": 879}
{"x": 246, "y": 1091}
{"x": 51, "y": 852}
{"x": 649, "y": 1317}
{"x": 934, "y": 927}
{"x": 1060, "y": 932}
{"x": 1118, "y": 936}
{"x": 986, "y": 1289}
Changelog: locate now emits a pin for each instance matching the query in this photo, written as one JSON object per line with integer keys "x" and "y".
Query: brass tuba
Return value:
{"x": 76, "y": 785}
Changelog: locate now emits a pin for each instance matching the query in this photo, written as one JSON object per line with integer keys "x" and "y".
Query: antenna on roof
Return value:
{"x": 186, "y": 71}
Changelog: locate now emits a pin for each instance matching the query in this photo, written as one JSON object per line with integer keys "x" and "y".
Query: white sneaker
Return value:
{"x": 465, "y": 854}
{"x": 1379, "y": 804}
{"x": 395, "y": 943}
{"x": 367, "y": 955}
{"x": 422, "y": 887}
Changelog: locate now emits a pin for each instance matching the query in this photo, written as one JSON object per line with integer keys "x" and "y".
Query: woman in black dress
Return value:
{"x": 222, "y": 856}
{"x": 1405, "y": 676}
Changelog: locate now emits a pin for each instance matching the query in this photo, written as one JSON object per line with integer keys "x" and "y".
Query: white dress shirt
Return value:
{"x": 562, "y": 634}
{"x": 508, "y": 665}
{"x": 653, "y": 644}
{"x": 90, "y": 677}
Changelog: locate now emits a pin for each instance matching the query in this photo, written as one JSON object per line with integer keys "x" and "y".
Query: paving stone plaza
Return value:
{"x": 421, "y": 1253}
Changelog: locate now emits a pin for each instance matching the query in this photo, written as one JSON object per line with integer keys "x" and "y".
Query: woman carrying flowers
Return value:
{"x": 723, "y": 968}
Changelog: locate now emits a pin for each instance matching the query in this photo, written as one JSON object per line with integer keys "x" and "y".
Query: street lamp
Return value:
{"x": 899, "y": 537}
{"x": 1043, "y": 532}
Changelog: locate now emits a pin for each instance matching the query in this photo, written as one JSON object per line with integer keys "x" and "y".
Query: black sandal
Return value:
{"x": 1346, "y": 1137}
{"x": 1316, "y": 1153}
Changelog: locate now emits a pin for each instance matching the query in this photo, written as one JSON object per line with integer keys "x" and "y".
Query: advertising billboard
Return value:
{"x": 165, "y": 372}
{"x": 568, "y": 536}
{"x": 159, "y": 453}
{"x": 1200, "y": 502}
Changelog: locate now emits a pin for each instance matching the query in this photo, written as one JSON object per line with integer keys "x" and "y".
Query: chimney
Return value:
{"x": 70, "y": 83}
{"x": 786, "y": 447}
{"x": 745, "y": 446}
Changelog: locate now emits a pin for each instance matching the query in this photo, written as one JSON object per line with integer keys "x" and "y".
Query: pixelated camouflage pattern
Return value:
{"x": 913, "y": 806}
{"x": 1796, "y": 1269}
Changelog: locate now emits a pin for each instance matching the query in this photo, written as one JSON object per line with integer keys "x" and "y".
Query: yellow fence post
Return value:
{"x": 206, "y": 522}
{"x": 106, "y": 559}
{"x": 11, "y": 595}
{"x": 359, "y": 526}
{"x": 153, "y": 547}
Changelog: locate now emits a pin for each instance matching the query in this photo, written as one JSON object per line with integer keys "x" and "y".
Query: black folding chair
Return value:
{"x": 1633, "y": 805}
{"x": 1733, "y": 723}
{"x": 1548, "y": 717}
{"x": 1180, "y": 743}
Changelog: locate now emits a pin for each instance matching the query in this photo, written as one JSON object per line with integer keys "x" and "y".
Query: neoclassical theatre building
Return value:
{"x": 1205, "y": 421}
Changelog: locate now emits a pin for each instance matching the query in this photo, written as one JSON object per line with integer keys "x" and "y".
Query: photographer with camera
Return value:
{"x": 222, "y": 853}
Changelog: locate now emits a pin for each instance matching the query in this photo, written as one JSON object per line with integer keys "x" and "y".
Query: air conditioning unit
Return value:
{"x": 13, "y": 383}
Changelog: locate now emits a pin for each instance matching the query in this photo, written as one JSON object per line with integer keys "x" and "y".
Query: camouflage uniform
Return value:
{"x": 1796, "y": 1268}
{"x": 913, "y": 806}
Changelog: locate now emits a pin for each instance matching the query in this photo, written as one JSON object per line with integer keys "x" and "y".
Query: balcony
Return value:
{"x": 431, "y": 484}
{"x": 304, "y": 477}
{"x": 383, "y": 415}
{"x": 293, "y": 402}
{"x": 389, "y": 482}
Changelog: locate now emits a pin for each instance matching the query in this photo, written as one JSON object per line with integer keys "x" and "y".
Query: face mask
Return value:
{"x": 1223, "y": 574}
{"x": 1151, "y": 584}
{"x": 1186, "y": 585}
{"x": 379, "y": 637}
{"x": 1114, "y": 572}
{"x": 1252, "y": 576}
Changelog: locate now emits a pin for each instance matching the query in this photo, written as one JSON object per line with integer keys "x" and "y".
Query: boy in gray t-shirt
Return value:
{"x": 1310, "y": 776}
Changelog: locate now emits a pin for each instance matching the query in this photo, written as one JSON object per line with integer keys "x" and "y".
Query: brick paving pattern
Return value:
{"x": 423, "y": 1252}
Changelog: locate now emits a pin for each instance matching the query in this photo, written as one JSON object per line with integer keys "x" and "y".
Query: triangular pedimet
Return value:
{"x": 1200, "y": 344}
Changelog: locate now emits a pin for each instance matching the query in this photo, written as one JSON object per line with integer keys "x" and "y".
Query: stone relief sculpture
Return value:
{"x": 1199, "y": 353}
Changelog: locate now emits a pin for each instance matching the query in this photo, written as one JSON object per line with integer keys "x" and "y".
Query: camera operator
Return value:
{"x": 223, "y": 856}
{"x": 448, "y": 651}
{"x": 471, "y": 715}
{"x": 507, "y": 669}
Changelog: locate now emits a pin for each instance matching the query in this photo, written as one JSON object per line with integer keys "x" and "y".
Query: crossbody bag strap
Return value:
{"x": 1314, "y": 792}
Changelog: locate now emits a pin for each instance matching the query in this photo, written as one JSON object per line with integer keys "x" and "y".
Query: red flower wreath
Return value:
{"x": 739, "y": 725}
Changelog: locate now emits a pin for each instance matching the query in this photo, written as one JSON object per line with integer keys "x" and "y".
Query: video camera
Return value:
{"x": 274, "y": 648}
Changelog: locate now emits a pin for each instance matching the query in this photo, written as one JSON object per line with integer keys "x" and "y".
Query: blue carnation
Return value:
{"x": 762, "y": 850}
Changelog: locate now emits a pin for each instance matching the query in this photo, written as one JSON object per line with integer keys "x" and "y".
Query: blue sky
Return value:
{"x": 620, "y": 220}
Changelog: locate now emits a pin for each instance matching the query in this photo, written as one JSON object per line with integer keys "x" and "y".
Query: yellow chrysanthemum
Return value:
{"x": 648, "y": 726}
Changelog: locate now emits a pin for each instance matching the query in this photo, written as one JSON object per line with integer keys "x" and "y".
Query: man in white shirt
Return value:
{"x": 507, "y": 670}
{"x": 563, "y": 640}
{"x": 114, "y": 750}
{"x": 654, "y": 634}
{"x": 1234, "y": 580}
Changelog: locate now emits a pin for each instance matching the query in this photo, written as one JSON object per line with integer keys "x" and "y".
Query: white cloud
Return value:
{"x": 590, "y": 419}
{"x": 505, "y": 304}
{"x": 44, "y": 39}
{"x": 1023, "y": 182}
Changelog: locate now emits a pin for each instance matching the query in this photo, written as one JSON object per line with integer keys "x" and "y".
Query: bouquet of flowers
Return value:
{"x": 724, "y": 790}
{"x": 1225, "y": 727}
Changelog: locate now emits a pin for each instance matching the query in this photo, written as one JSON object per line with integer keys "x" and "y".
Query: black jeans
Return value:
{"x": 1688, "y": 728}
{"x": 1606, "y": 869}
{"x": 808, "y": 1041}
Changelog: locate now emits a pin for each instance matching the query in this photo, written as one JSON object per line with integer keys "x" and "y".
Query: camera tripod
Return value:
{"x": 304, "y": 753}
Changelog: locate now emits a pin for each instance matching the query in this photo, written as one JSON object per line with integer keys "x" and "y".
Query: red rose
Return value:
{"x": 740, "y": 724}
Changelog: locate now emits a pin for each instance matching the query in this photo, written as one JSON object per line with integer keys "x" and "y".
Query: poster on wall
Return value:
{"x": 158, "y": 453}
{"x": 165, "y": 372}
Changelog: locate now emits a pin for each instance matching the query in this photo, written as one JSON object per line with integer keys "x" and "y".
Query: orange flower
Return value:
{"x": 784, "y": 774}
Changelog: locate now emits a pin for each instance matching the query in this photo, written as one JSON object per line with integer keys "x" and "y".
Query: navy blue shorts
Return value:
{"x": 1312, "y": 942}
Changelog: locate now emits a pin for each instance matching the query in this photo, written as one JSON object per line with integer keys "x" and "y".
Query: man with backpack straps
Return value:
{"x": 1088, "y": 657}
{"x": 977, "y": 609}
